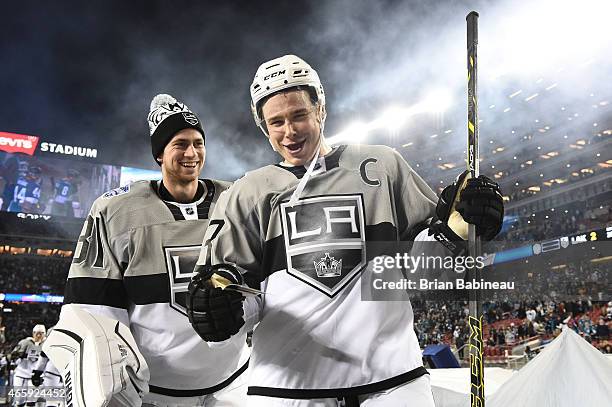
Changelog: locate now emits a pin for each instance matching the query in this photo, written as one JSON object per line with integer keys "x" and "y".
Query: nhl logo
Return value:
{"x": 190, "y": 118}
{"x": 189, "y": 211}
{"x": 325, "y": 240}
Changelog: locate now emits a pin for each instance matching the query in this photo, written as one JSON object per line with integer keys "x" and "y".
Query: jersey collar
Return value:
{"x": 331, "y": 161}
{"x": 199, "y": 208}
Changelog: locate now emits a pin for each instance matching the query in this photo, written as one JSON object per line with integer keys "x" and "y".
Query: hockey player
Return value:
{"x": 45, "y": 374}
{"x": 26, "y": 194}
{"x": 135, "y": 258}
{"x": 66, "y": 201}
{"x": 14, "y": 168}
{"x": 26, "y": 354}
{"x": 298, "y": 230}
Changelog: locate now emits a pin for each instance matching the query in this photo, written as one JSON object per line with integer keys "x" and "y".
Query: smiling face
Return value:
{"x": 183, "y": 157}
{"x": 293, "y": 124}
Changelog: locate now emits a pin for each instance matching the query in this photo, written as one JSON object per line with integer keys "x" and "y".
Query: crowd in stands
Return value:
{"x": 536, "y": 310}
{"x": 553, "y": 224}
{"x": 29, "y": 274}
{"x": 32, "y": 274}
{"x": 507, "y": 325}
{"x": 572, "y": 177}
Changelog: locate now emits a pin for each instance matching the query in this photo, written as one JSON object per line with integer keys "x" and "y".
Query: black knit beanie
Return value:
{"x": 167, "y": 117}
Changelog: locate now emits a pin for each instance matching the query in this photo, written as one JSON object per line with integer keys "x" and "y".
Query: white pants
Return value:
{"x": 416, "y": 393}
{"x": 234, "y": 395}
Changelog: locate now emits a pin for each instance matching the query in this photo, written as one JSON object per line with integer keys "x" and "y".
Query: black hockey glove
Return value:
{"x": 481, "y": 204}
{"x": 37, "y": 378}
{"x": 477, "y": 201}
{"x": 215, "y": 314}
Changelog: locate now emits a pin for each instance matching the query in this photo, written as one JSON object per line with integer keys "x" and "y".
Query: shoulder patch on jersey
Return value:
{"x": 117, "y": 191}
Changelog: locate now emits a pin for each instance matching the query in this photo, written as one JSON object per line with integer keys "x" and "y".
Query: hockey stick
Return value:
{"x": 475, "y": 301}
{"x": 224, "y": 284}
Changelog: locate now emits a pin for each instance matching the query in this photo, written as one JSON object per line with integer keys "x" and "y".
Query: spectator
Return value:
{"x": 602, "y": 331}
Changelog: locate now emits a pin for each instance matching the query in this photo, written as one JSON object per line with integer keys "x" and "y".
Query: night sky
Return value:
{"x": 85, "y": 74}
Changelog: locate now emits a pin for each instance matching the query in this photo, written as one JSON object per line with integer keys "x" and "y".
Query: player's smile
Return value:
{"x": 294, "y": 148}
{"x": 190, "y": 164}
{"x": 292, "y": 122}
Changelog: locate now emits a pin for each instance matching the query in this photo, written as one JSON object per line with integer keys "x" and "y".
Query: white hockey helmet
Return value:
{"x": 286, "y": 72}
{"x": 39, "y": 328}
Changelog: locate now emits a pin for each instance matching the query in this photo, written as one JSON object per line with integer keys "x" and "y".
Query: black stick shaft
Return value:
{"x": 477, "y": 397}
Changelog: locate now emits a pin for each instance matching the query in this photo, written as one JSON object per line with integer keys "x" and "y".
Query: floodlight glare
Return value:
{"x": 437, "y": 101}
{"x": 354, "y": 133}
{"x": 394, "y": 118}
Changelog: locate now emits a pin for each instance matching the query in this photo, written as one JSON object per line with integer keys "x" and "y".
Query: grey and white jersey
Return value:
{"x": 133, "y": 262}
{"x": 28, "y": 351}
{"x": 50, "y": 372}
{"x": 316, "y": 336}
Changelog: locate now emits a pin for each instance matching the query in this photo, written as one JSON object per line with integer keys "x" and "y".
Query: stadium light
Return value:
{"x": 355, "y": 133}
{"x": 437, "y": 101}
{"x": 395, "y": 117}
{"x": 523, "y": 32}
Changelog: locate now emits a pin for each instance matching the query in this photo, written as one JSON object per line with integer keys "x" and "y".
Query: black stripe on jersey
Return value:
{"x": 306, "y": 394}
{"x": 210, "y": 190}
{"x": 199, "y": 392}
{"x": 96, "y": 291}
{"x": 331, "y": 161}
{"x": 416, "y": 229}
{"x": 203, "y": 207}
{"x": 175, "y": 211}
{"x": 274, "y": 256}
{"x": 150, "y": 289}
{"x": 298, "y": 171}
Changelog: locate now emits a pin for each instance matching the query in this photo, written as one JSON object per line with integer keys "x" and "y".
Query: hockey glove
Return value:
{"x": 98, "y": 359}
{"x": 37, "y": 378}
{"x": 477, "y": 201}
{"x": 481, "y": 204}
{"x": 215, "y": 314}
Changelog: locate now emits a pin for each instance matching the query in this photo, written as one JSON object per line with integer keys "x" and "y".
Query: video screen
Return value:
{"x": 59, "y": 187}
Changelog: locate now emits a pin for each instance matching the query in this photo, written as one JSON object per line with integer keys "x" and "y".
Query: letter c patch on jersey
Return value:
{"x": 325, "y": 240}
{"x": 364, "y": 174}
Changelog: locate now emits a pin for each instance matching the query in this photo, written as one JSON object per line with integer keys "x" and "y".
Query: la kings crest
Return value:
{"x": 180, "y": 263}
{"x": 325, "y": 240}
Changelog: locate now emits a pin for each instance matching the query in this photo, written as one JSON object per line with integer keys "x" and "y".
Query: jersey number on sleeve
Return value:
{"x": 91, "y": 231}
